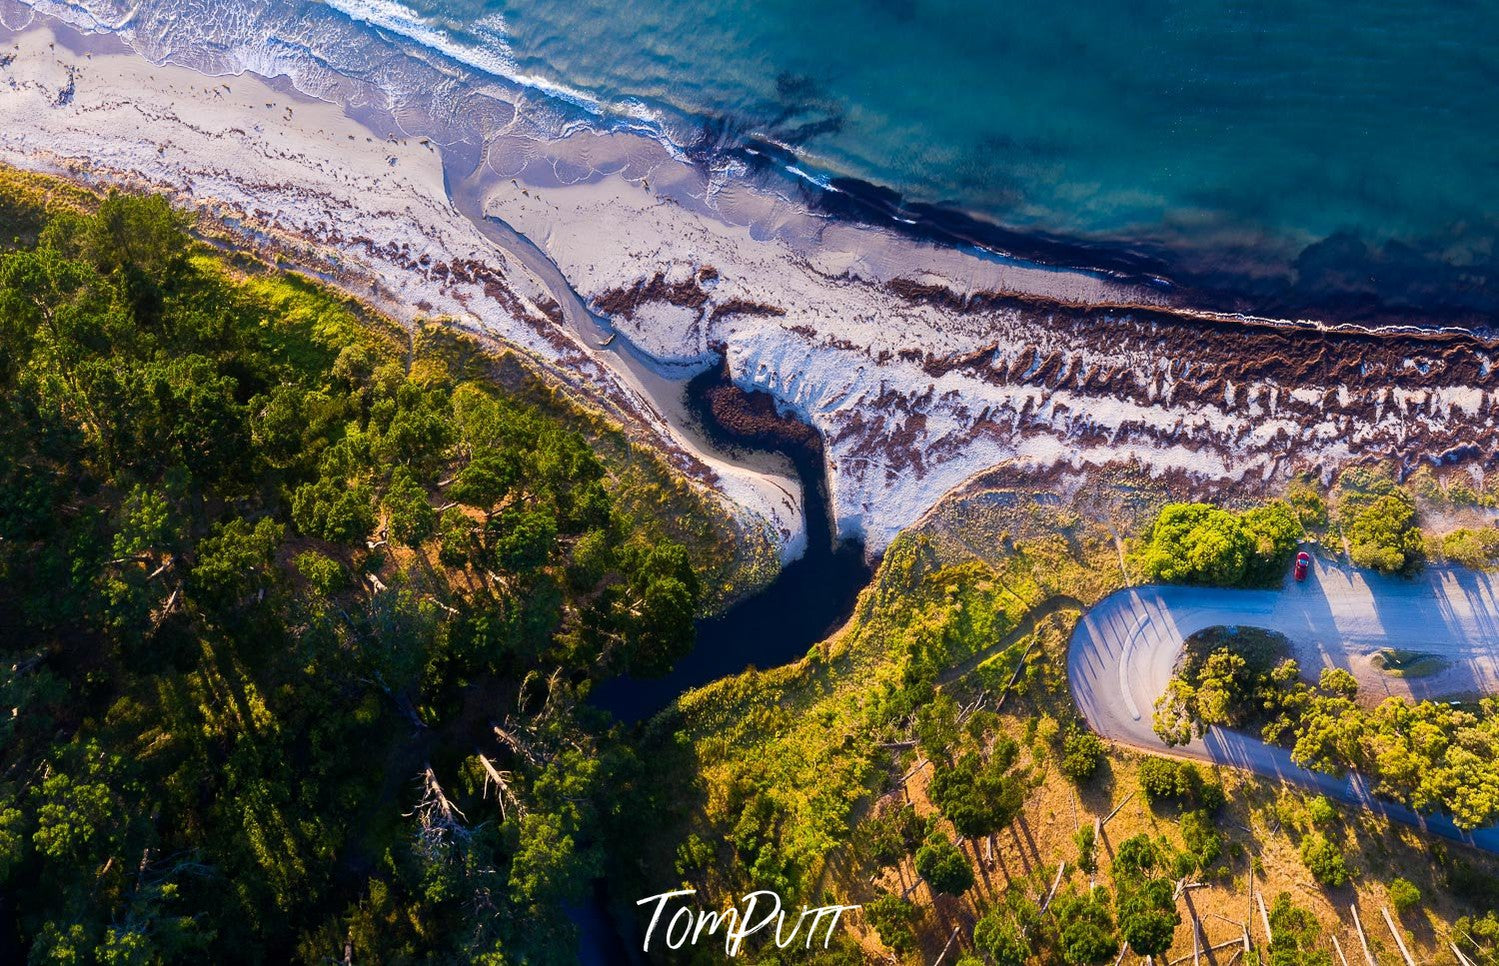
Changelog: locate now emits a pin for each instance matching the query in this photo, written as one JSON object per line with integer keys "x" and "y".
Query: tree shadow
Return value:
{"x": 1097, "y": 794}
{"x": 977, "y": 859}
{"x": 1021, "y": 831}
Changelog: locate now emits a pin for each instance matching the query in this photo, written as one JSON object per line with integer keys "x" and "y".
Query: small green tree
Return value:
{"x": 235, "y": 560}
{"x": 1320, "y": 811}
{"x": 1201, "y": 837}
{"x": 893, "y": 918}
{"x": 1001, "y": 939}
{"x": 1324, "y": 860}
{"x": 412, "y": 519}
{"x": 1087, "y": 849}
{"x": 892, "y": 836}
{"x": 457, "y": 538}
{"x": 521, "y": 541}
{"x": 977, "y": 794}
{"x": 656, "y": 612}
{"x": 1148, "y": 916}
{"x": 937, "y": 725}
{"x": 334, "y": 511}
{"x": 1082, "y": 753}
{"x": 322, "y": 573}
{"x": 1168, "y": 780}
{"x": 1296, "y": 931}
{"x": 944, "y": 866}
{"x": 1147, "y": 906}
{"x": 1404, "y": 894}
{"x": 1086, "y": 933}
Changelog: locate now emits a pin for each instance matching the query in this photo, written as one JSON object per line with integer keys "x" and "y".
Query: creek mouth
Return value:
{"x": 810, "y": 598}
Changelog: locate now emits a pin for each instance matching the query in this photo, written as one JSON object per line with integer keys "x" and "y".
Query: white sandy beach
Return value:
{"x": 888, "y": 347}
{"x": 372, "y": 212}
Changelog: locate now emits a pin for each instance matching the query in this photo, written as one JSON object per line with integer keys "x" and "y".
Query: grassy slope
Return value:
{"x": 994, "y": 574}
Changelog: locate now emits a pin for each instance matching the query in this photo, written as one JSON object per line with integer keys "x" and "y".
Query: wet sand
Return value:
{"x": 624, "y": 269}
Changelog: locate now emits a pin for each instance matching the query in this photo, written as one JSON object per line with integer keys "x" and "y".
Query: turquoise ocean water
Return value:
{"x": 1331, "y": 157}
{"x": 1233, "y": 135}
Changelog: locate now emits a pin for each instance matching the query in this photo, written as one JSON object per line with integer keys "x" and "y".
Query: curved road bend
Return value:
{"x": 1123, "y": 651}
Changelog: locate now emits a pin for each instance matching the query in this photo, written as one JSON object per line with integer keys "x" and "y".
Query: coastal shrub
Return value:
{"x": 1274, "y": 530}
{"x": 944, "y": 866}
{"x": 893, "y": 920}
{"x": 1198, "y": 543}
{"x": 1404, "y": 894}
{"x": 1229, "y": 677}
{"x": 1429, "y": 755}
{"x": 1307, "y": 504}
{"x": 1082, "y": 753}
{"x": 1477, "y": 549}
{"x": 1044, "y": 732}
{"x": 1383, "y": 535}
{"x": 1378, "y": 519}
{"x": 1324, "y": 860}
{"x": 1166, "y": 780}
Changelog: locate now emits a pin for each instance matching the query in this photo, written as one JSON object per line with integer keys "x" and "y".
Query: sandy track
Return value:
{"x": 1123, "y": 651}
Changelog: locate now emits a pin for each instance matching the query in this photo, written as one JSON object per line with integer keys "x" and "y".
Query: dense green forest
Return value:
{"x": 298, "y": 610}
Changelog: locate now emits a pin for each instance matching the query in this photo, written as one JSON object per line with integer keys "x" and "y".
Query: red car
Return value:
{"x": 1303, "y": 561}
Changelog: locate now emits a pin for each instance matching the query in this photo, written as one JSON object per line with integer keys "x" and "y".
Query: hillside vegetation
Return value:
{"x": 298, "y": 610}
{"x": 928, "y": 762}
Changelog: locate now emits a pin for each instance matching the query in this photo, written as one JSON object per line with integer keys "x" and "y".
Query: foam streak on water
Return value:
{"x": 1290, "y": 155}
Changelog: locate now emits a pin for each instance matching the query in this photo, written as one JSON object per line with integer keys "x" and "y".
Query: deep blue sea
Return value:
{"x": 1327, "y": 157}
{"x": 1235, "y": 137}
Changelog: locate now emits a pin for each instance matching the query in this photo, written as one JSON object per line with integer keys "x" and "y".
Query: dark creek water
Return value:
{"x": 810, "y": 598}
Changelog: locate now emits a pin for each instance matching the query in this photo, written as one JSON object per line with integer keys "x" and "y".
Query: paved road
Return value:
{"x": 1123, "y": 651}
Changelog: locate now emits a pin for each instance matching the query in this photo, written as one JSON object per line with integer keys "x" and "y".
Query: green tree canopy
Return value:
{"x": 1087, "y": 935}
{"x": 1198, "y": 543}
{"x": 944, "y": 866}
